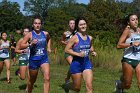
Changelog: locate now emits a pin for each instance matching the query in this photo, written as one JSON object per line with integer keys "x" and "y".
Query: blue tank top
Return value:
{"x": 82, "y": 45}
{"x": 38, "y": 51}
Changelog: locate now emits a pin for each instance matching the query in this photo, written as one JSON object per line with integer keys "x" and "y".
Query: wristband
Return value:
{"x": 30, "y": 45}
{"x": 131, "y": 44}
{"x": 22, "y": 51}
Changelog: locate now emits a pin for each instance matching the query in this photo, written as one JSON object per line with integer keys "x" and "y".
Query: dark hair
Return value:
{"x": 71, "y": 19}
{"x": 3, "y": 33}
{"x": 77, "y": 22}
{"x": 127, "y": 19}
{"x": 37, "y": 17}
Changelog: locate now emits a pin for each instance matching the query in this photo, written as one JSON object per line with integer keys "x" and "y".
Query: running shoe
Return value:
{"x": 67, "y": 81}
{"x": 66, "y": 88}
{"x": 117, "y": 89}
{"x": 8, "y": 81}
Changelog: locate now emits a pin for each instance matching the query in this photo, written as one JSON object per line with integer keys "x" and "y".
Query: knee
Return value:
{"x": 8, "y": 69}
{"x": 46, "y": 78}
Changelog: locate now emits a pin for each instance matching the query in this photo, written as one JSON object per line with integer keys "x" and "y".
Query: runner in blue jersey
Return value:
{"x": 39, "y": 40}
{"x": 65, "y": 39}
{"x": 4, "y": 55}
{"x": 79, "y": 47}
{"x": 23, "y": 57}
{"x": 130, "y": 41}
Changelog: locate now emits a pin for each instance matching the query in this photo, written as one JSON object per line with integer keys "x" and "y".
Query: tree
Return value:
{"x": 101, "y": 14}
{"x": 38, "y": 7}
{"x": 10, "y": 16}
{"x": 75, "y": 9}
{"x": 136, "y": 6}
{"x": 56, "y": 22}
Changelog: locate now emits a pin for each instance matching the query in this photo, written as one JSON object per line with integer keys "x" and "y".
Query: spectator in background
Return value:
{"x": 13, "y": 46}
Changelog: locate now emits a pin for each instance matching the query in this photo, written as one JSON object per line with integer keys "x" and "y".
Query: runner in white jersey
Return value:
{"x": 130, "y": 41}
{"x": 132, "y": 52}
{"x": 4, "y": 55}
{"x": 64, "y": 40}
{"x": 23, "y": 57}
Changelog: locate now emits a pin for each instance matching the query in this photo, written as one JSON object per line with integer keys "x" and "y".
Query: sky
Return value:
{"x": 21, "y": 2}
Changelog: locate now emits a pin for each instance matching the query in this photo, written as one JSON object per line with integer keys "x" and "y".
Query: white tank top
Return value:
{"x": 4, "y": 52}
{"x": 132, "y": 52}
{"x": 68, "y": 35}
{"x": 25, "y": 56}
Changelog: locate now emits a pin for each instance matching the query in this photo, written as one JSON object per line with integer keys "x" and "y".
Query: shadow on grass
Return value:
{"x": 22, "y": 87}
{"x": 68, "y": 87}
{"x": 3, "y": 79}
{"x": 119, "y": 92}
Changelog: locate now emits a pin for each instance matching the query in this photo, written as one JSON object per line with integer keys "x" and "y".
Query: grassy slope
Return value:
{"x": 103, "y": 81}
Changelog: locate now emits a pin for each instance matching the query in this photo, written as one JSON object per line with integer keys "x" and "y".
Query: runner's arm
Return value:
{"x": 24, "y": 43}
{"x": 17, "y": 49}
{"x": 48, "y": 39}
{"x": 124, "y": 36}
{"x": 71, "y": 43}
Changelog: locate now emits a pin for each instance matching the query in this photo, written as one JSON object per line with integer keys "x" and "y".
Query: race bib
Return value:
{"x": 5, "y": 51}
{"x": 136, "y": 49}
{"x": 86, "y": 53}
{"x": 40, "y": 51}
{"x": 4, "y": 54}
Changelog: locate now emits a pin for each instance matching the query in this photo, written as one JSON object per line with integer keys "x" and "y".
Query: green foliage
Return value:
{"x": 101, "y": 14}
{"x": 103, "y": 81}
{"x": 41, "y": 7}
{"x": 125, "y": 7}
{"x": 10, "y": 16}
{"x": 136, "y": 6}
{"x": 75, "y": 10}
{"x": 16, "y": 37}
{"x": 38, "y": 7}
{"x": 108, "y": 56}
{"x": 106, "y": 37}
{"x": 56, "y": 22}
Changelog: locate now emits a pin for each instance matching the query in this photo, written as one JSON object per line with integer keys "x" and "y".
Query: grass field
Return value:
{"x": 103, "y": 81}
